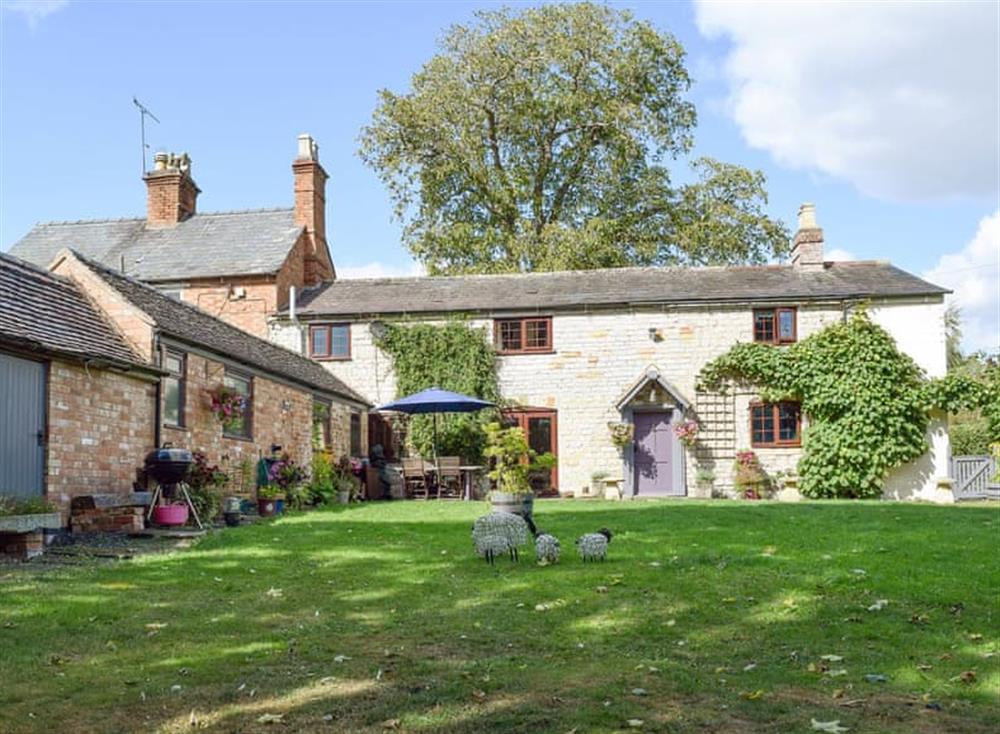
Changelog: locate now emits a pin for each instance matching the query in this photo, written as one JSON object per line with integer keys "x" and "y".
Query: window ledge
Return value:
{"x": 231, "y": 437}
{"x": 525, "y": 354}
{"x": 331, "y": 359}
{"x": 182, "y": 429}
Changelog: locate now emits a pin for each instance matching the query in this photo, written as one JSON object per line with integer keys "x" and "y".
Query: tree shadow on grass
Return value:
{"x": 702, "y": 606}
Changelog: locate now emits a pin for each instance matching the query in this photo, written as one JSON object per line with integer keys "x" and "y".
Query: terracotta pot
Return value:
{"x": 170, "y": 515}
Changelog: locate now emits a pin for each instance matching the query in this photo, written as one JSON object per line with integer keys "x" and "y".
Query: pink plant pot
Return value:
{"x": 170, "y": 514}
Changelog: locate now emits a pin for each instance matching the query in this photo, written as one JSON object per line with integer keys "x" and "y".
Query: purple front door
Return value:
{"x": 655, "y": 464}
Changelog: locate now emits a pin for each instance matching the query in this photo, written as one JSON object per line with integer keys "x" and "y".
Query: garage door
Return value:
{"x": 22, "y": 426}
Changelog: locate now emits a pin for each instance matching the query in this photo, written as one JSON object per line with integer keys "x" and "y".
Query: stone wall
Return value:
{"x": 598, "y": 356}
{"x": 101, "y": 425}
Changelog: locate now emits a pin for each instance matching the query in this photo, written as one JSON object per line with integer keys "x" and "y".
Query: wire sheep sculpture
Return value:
{"x": 594, "y": 546}
{"x": 546, "y": 549}
{"x": 497, "y": 533}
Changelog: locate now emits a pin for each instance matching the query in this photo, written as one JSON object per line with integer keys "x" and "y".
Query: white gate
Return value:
{"x": 973, "y": 477}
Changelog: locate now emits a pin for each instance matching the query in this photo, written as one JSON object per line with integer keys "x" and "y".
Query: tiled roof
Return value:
{"x": 40, "y": 311}
{"x": 583, "y": 288}
{"x": 193, "y": 326}
{"x": 206, "y": 245}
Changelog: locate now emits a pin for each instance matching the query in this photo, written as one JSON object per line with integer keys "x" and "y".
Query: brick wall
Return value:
{"x": 100, "y": 429}
{"x": 598, "y": 356}
{"x": 281, "y": 415}
{"x": 264, "y": 295}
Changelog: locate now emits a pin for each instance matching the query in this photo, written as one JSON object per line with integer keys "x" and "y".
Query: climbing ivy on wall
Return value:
{"x": 453, "y": 356}
{"x": 868, "y": 404}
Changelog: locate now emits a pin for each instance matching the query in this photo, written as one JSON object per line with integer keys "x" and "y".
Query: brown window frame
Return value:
{"x": 523, "y": 322}
{"x": 181, "y": 378}
{"x": 355, "y": 438}
{"x": 328, "y": 356}
{"x": 775, "y": 324}
{"x": 247, "y": 434}
{"x": 777, "y": 442}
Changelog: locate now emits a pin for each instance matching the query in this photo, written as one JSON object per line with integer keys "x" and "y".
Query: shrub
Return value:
{"x": 749, "y": 477}
{"x": 970, "y": 437}
{"x": 514, "y": 460}
{"x": 204, "y": 484}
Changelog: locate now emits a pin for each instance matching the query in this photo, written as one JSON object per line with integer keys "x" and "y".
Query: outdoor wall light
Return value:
{"x": 655, "y": 334}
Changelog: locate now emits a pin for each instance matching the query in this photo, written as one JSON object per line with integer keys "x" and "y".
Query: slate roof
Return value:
{"x": 634, "y": 286}
{"x": 44, "y": 312}
{"x": 193, "y": 326}
{"x": 205, "y": 245}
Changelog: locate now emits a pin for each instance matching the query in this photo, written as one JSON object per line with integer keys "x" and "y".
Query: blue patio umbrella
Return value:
{"x": 435, "y": 400}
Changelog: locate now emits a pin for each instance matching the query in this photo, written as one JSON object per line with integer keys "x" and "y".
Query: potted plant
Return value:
{"x": 268, "y": 498}
{"x": 597, "y": 483}
{"x": 704, "y": 479}
{"x": 205, "y": 482}
{"x": 752, "y": 482}
{"x": 286, "y": 475}
{"x": 513, "y": 463}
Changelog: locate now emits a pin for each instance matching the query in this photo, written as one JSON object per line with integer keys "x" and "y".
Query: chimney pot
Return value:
{"x": 308, "y": 148}
{"x": 160, "y": 161}
{"x": 807, "y": 216}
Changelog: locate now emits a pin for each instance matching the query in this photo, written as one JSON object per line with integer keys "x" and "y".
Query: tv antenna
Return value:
{"x": 143, "y": 114}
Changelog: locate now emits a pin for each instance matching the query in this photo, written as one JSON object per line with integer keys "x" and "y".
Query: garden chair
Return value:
{"x": 449, "y": 477}
{"x": 415, "y": 478}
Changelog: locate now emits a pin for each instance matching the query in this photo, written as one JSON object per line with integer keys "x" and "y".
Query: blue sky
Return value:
{"x": 899, "y": 157}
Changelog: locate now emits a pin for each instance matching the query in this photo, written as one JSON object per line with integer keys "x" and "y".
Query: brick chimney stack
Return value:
{"x": 807, "y": 246}
{"x": 171, "y": 193}
{"x": 310, "y": 209}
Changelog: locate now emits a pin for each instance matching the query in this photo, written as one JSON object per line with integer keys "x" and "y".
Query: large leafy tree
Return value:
{"x": 538, "y": 140}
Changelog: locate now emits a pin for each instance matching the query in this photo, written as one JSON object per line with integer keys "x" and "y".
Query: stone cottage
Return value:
{"x": 240, "y": 266}
{"x": 578, "y": 351}
{"x": 97, "y": 368}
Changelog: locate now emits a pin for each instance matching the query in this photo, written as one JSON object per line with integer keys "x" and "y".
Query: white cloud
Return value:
{"x": 839, "y": 255}
{"x": 379, "y": 270}
{"x": 974, "y": 275}
{"x": 900, "y": 99}
{"x": 34, "y": 11}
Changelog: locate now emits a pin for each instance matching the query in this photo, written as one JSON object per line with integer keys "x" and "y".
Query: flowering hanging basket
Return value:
{"x": 229, "y": 407}
{"x": 621, "y": 434}
{"x": 687, "y": 433}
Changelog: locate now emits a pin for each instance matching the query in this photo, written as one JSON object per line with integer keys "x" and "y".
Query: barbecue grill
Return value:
{"x": 168, "y": 466}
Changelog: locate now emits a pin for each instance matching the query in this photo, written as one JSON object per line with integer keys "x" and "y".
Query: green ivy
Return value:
{"x": 868, "y": 404}
{"x": 453, "y": 356}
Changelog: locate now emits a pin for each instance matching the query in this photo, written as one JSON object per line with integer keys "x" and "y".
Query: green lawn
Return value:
{"x": 706, "y": 617}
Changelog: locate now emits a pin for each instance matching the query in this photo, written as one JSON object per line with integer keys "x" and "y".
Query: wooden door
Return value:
{"x": 540, "y": 428}
{"x": 655, "y": 456}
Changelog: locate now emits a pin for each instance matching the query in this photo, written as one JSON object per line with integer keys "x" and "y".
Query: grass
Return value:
{"x": 720, "y": 612}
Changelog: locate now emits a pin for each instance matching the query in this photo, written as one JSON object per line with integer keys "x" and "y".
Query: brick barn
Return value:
{"x": 97, "y": 368}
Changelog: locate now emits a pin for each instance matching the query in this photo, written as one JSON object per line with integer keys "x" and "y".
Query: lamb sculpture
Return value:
{"x": 594, "y": 546}
{"x": 546, "y": 549}
{"x": 497, "y": 533}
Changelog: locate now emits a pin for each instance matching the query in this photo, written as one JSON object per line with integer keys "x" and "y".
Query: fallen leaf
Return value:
{"x": 969, "y": 676}
{"x": 754, "y": 695}
{"x": 390, "y": 724}
{"x": 748, "y": 667}
{"x": 274, "y": 593}
{"x": 638, "y": 691}
{"x": 836, "y": 673}
{"x": 635, "y": 723}
{"x": 876, "y": 678}
{"x": 879, "y": 605}
{"x": 270, "y": 718}
{"x": 829, "y": 726}
{"x": 340, "y": 658}
{"x": 479, "y": 695}
{"x": 831, "y": 658}
{"x": 601, "y": 589}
